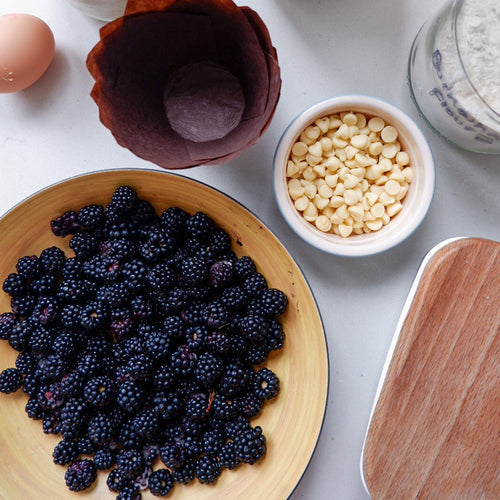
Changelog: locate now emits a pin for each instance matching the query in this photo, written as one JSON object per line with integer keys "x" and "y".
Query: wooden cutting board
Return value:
{"x": 434, "y": 432}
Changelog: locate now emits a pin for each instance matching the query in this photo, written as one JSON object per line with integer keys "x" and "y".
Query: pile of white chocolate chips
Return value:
{"x": 347, "y": 174}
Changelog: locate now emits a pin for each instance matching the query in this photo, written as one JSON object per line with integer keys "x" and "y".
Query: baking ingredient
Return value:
{"x": 26, "y": 50}
{"x": 143, "y": 345}
{"x": 347, "y": 173}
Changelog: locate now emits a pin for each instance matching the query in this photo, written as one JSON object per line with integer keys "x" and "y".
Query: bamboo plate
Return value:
{"x": 434, "y": 432}
{"x": 292, "y": 422}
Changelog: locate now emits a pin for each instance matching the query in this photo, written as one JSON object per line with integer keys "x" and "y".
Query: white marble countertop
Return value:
{"x": 51, "y": 131}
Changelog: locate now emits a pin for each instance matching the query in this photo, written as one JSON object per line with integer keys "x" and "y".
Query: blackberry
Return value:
{"x": 34, "y": 410}
{"x": 135, "y": 274}
{"x": 146, "y": 423}
{"x": 184, "y": 474}
{"x": 196, "y": 406}
{"x": 172, "y": 455}
{"x": 255, "y": 285}
{"x": 120, "y": 229}
{"x": 225, "y": 408}
{"x": 130, "y": 463}
{"x": 40, "y": 340}
{"x": 25, "y": 362}
{"x": 117, "y": 481}
{"x": 52, "y": 424}
{"x": 216, "y": 315}
{"x": 19, "y": 335}
{"x": 194, "y": 314}
{"x": 274, "y": 301}
{"x": 121, "y": 249}
{"x": 121, "y": 323}
{"x": 11, "y": 379}
{"x": 199, "y": 226}
{"x": 85, "y": 446}
{"x": 46, "y": 310}
{"x": 65, "y": 224}
{"x": 8, "y": 321}
{"x": 183, "y": 361}
{"x": 196, "y": 336}
{"x": 160, "y": 482}
{"x": 157, "y": 344}
{"x": 137, "y": 368}
{"x": 255, "y": 354}
{"x": 227, "y": 456}
{"x": 275, "y": 336}
{"x": 73, "y": 415}
{"x": 72, "y": 383}
{"x": 54, "y": 367}
{"x": 52, "y": 259}
{"x": 51, "y": 397}
{"x": 31, "y": 384}
{"x": 207, "y": 469}
{"x": 163, "y": 378}
{"x": 218, "y": 342}
{"x": 194, "y": 271}
{"x": 128, "y": 438}
{"x": 23, "y": 305}
{"x": 144, "y": 213}
{"x": 104, "y": 458}
{"x": 233, "y": 297}
{"x": 14, "y": 285}
{"x": 250, "y": 445}
{"x": 174, "y": 218}
{"x": 124, "y": 197}
{"x": 253, "y": 327}
{"x": 28, "y": 267}
{"x": 161, "y": 277}
{"x": 63, "y": 345}
{"x": 249, "y": 404}
{"x": 167, "y": 404}
{"x": 93, "y": 315}
{"x": 151, "y": 452}
{"x": 208, "y": 370}
{"x": 84, "y": 245}
{"x": 265, "y": 383}
{"x": 98, "y": 391}
{"x": 244, "y": 267}
{"x": 176, "y": 299}
{"x": 45, "y": 284}
{"x": 220, "y": 241}
{"x": 141, "y": 308}
{"x": 80, "y": 475}
{"x": 88, "y": 364}
{"x": 221, "y": 273}
{"x": 212, "y": 442}
{"x": 74, "y": 290}
{"x": 65, "y": 452}
{"x": 130, "y": 492}
{"x": 158, "y": 245}
{"x": 100, "y": 429}
{"x": 72, "y": 268}
{"x": 234, "y": 379}
{"x": 129, "y": 395}
{"x": 90, "y": 216}
{"x": 115, "y": 295}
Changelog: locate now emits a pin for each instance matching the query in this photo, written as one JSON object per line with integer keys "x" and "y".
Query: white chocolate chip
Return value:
{"x": 323, "y": 223}
{"x": 344, "y": 230}
{"x": 402, "y": 158}
{"x": 393, "y": 209}
{"x": 360, "y": 141}
{"x": 374, "y": 225}
{"x": 389, "y": 150}
{"x": 376, "y": 124}
{"x": 392, "y": 187}
{"x": 377, "y": 210}
{"x": 350, "y": 197}
{"x": 389, "y": 134}
{"x": 323, "y": 124}
{"x": 350, "y": 119}
{"x": 301, "y": 203}
{"x": 299, "y": 148}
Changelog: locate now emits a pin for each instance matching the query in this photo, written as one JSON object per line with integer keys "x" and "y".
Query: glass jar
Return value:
{"x": 104, "y": 10}
{"x": 453, "y": 73}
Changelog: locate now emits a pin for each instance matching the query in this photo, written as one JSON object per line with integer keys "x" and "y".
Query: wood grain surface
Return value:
{"x": 291, "y": 422}
{"x": 435, "y": 430}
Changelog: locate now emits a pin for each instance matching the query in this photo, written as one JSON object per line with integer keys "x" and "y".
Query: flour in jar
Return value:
{"x": 478, "y": 37}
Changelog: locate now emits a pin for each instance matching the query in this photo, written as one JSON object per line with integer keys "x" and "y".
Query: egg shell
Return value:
{"x": 27, "y": 48}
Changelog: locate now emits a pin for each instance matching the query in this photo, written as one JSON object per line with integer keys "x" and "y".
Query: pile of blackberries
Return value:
{"x": 144, "y": 351}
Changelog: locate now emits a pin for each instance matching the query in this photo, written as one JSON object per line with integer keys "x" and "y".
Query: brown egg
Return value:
{"x": 26, "y": 50}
